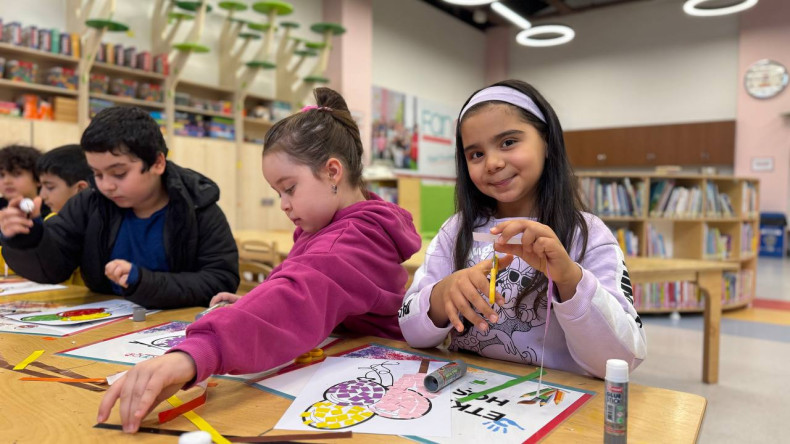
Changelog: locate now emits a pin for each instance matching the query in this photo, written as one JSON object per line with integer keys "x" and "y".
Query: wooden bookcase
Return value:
{"x": 697, "y": 226}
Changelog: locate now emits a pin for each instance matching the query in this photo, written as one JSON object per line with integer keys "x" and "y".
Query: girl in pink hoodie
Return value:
{"x": 514, "y": 179}
{"x": 344, "y": 269}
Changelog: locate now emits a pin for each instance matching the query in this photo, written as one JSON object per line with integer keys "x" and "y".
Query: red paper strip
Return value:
{"x": 175, "y": 412}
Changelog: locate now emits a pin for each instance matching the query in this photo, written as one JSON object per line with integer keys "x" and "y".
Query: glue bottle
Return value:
{"x": 616, "y": 402}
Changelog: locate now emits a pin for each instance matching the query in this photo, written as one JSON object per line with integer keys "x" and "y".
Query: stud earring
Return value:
{"x": 334, "y": 189}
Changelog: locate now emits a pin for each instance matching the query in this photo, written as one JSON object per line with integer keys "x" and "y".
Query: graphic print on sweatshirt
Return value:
{"x": 499, "y": 340}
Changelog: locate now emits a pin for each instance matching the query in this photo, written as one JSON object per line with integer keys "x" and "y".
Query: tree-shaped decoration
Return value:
{"x": 91, "y": 34}
{"x": 296, "y": 92}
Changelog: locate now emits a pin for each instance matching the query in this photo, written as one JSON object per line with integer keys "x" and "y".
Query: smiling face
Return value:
{"x": 120, "y": 178}
{"x": 505, "y": 157}
{"x": 18, "y": 183}
{"x": 306, "y": 199}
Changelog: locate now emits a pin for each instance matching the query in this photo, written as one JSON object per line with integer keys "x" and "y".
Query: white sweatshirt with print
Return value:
{"x": 598, "y": 323}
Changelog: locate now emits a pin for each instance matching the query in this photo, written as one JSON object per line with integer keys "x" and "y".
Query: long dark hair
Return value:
{"x": 314, "y": 135}
{"x": 559, "y": 204}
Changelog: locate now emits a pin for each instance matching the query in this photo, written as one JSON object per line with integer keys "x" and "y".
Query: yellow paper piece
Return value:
{"x": 33, "y": 356}
{"x": 199, "y": 422}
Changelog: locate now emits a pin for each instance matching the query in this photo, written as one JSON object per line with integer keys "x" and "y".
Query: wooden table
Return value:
{"x": 36, "y": 412}
{"x": 708, "y": 276}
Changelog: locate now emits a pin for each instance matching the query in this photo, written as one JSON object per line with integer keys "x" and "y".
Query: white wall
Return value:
{"x": 641, "y": 63}
{"x": 422, "y": 51}
{"x": 136, "y": 14}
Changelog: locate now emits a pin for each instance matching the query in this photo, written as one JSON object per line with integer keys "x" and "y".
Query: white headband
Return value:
{"x": 507, "y": 95}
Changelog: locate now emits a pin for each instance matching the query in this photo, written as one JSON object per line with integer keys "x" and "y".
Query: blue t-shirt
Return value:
{"x": 141, "y": 242}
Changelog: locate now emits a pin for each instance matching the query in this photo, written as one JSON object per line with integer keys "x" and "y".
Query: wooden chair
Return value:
{"x": 251, "y": 273}
{"x": 259, "y": 251}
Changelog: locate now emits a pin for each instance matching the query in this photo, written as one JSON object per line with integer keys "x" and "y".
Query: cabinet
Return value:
{"x": 683, "y": 216}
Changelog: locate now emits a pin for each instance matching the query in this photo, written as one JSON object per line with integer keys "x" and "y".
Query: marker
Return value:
{"x": 210, "y": 309}
{"x": 444, "y": 376}
{"x": 492, "y": 285}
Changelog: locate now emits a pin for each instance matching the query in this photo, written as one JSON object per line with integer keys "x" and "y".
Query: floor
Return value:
{"x": 749, "y": 403}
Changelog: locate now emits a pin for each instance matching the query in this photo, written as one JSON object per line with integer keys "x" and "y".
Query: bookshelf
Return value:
{"x": 684, "y": 216}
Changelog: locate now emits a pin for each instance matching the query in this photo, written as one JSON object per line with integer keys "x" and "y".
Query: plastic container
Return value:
{"x": 616, "y": 402}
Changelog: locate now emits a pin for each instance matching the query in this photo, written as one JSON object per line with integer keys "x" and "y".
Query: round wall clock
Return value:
{"x": 765, "y": 79}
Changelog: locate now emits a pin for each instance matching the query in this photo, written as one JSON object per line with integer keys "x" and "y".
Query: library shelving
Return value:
{"x": 685, "y": 216}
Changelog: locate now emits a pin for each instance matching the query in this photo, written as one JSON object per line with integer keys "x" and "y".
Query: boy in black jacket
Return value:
{"x": 150, "y": 231}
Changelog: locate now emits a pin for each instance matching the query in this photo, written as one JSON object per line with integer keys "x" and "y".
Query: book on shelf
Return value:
{"x": 610, "y": 198}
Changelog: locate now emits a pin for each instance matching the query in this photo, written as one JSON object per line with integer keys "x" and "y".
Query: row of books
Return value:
{"x": 717, "y": 204}
{"x": 612, "y": 198}
{"x": 749, "y": 238}
{"x": 749, "y": 199}
{"x": 717, "y": 244}
{"x": 628, "y": 240}
{"x": 656, "y": 247}
{"x": 736, "y": 286}
{"x": 670, "y": 200}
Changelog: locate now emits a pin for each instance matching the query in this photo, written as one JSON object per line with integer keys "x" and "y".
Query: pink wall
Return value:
{"x": 350, "y": 70}
{"x": 763, "y": 126}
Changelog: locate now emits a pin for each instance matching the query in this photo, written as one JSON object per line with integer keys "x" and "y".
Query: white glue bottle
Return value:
{"x": 616, "y": 402}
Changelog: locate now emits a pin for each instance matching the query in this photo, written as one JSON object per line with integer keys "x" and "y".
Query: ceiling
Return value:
{"x": 530, "y": 9}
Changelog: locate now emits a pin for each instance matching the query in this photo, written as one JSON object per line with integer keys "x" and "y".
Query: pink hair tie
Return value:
{"x": 309, "y": 107}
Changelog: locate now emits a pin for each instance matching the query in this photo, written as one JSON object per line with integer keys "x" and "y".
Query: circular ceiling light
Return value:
{"x": 690, "y": 8}
{"x": 469, "y": 2}
{"x": 526, "y": 37}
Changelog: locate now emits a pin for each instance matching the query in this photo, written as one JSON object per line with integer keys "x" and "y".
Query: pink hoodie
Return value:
{"x": 347, "y": 274}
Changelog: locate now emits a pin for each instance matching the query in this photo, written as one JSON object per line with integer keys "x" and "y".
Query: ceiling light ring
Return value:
{"x": 525, "y": 37}
{"x": 469, "y": 2}
{"x": 690, "y": 8}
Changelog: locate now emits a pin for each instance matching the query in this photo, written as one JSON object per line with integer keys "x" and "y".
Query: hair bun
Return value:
{"x": 329, "y": 98}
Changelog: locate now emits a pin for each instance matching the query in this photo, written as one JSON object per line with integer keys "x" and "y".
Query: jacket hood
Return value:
{"x": 392, "y": 221}
{"x": 199, "y": 189}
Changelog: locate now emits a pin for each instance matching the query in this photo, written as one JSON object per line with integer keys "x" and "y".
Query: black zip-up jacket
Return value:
{"x": 200, "y": 248}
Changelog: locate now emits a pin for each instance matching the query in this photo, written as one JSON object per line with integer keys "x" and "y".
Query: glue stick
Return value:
{"x": 616, "y": 402}
{"x": 444, "y": 375}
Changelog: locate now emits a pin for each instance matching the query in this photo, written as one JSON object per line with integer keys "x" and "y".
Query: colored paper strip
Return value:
{"x": 510, "y": 383}
{"x": 173, "y": 413}
{"x": 199, "y": 422}
{"x": 31, "y": 378}
{"x": 33, "y": 356}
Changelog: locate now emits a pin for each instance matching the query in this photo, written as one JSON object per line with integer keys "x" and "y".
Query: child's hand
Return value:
{"x": 118, "y": 270}
{"x": 540, "y": 248}
{"x": 146, "y": 385}
{"x": 224, "y": 297}
{"x": 14, "y": 221}
{"x": 464, "y": 291}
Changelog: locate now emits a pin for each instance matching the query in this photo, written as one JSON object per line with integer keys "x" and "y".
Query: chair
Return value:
{"x": 251, "y": 273}
{"x": 259, "y": 251}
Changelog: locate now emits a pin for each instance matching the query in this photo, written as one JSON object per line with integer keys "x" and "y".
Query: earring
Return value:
{"x": 334, "y": 189}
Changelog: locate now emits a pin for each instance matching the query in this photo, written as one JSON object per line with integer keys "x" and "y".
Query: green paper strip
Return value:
{"x": 510, "y": 383}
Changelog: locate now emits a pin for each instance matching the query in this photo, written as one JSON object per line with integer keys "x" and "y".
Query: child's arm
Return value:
{"x": 217, "y": 269}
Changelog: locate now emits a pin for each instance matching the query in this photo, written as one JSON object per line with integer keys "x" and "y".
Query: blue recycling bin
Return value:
{"x": 773, "y": 228}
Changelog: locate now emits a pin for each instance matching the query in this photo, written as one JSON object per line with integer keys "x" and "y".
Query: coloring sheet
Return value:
{"x": 511, "y": 415}
{"x": 15, "y": 287}
{"x": 8, "y": 325}
{"x": 369, "y": 396}
{"x": 104, "y": 310}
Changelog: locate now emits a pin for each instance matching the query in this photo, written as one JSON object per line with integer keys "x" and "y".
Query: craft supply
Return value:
{"x": 96, "y": 380}
{"x": 210, "y": 309}
{"x": 293, "y": 437}
{"x": 196, "y": 437}
{"x": 33, "y": 356}
{"x": 444, "y": 375}
{"x": 549, "y": 300}
{"x": 138, "y": 314}
{"x": 510, "y": 383}
{"x": 492, "y": 285}
{"x": 490, "y": 238}
{"x": 201, "y": 423}
{"x": 27, "y": 205}
{"x": 616, "y": 402}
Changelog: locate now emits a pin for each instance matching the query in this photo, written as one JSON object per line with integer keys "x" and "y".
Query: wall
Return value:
{"x": 136, "y": 14}
{"x": 422, "y": 51}
{"x": 761, "y": 128}
{"x": 641, "y": 63}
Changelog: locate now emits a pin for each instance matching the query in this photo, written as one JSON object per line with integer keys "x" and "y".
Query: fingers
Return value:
{"x": 224, "y": 297}
{"x": 118, "y": 271}
{"x": 109, "y": 399}
{"x": 14, "y": 221}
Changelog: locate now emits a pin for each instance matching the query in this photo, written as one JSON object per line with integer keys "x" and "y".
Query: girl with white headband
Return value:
{"x": 563, "y": 296}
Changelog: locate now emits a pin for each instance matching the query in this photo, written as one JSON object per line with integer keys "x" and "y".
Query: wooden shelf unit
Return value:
{"x": 686, "y": 235}
{"x": 129, "y": 101}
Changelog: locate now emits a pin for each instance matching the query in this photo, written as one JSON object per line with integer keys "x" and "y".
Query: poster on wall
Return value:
{"x": 412, "y": 135}
{"x": 392, "y": 129}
